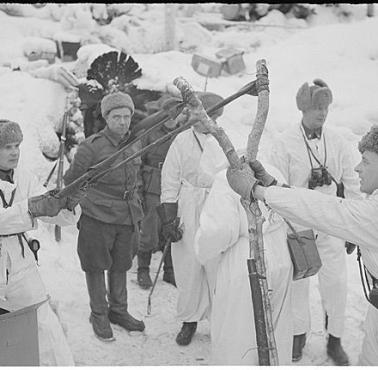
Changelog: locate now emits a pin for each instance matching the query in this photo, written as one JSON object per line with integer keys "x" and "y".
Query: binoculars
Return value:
{"x": 319, "y": 177}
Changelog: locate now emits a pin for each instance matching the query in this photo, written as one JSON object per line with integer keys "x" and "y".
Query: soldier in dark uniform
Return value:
{"x": 111, "y": 215}
{"x": 150, "y": 238}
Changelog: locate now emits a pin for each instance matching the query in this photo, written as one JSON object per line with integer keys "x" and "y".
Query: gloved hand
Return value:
{"x": 173, "y": 107}
{"x": 170, "y": 222}
{"x": 261, "y": 174}
{"x": 73, "y": 200}
{"x": 46, "y": 205}
{"x": 172, "y": 230}
{"x": 350, "y": 247}
{"x": 242, "y": 180}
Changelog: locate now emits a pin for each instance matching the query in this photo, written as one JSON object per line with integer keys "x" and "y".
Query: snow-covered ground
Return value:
{"x": 343, "y": 53}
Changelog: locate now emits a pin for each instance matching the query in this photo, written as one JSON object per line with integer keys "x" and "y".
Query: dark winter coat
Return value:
{"x": 114, "y": 198}
{"x": 152, "y": 161}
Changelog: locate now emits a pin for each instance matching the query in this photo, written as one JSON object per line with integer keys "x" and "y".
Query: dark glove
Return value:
{"x": 73, "y": 200}
{"x": 172, "y": 230}
{"x": 242, "y": 180}
{"x": 46, "y": 205}
{"x": 350, "y": 247}
{"x": 173, "y": 107}
{"x": 170, "y": 222}
{"x": 261, "y": 174}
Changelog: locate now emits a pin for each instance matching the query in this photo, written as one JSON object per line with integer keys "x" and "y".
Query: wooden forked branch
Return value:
{"x": 267, "y": 351}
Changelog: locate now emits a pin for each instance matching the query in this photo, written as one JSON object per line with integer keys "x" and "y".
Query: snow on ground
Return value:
{"x": 344, "y": 54}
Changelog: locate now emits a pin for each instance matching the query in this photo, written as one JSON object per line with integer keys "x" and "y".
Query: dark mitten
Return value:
{"x": 46, "y": 205}
{"x": 170, "y": 222}
{"x": 74, "y": 199}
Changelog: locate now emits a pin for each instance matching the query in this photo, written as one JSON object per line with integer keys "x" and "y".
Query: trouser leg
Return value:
{"x": 333, "y": 282}
{"x": 149, "y": 237}
{"x": 144, "y": 260}
{"x": 369, "y": 349}
{"x": 301, "y": 306}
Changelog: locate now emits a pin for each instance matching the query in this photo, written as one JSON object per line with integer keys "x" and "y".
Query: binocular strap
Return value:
{"x": 371, "y": 293}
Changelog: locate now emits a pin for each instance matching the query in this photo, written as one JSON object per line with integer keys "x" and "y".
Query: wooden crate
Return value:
{"x": 19, "y": 337}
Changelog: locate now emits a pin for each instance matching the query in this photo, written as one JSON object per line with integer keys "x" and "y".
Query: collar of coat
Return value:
{"x": 7, "y": 175}
{"x": 114, "y": 138}
{"x": 312, "y": 134}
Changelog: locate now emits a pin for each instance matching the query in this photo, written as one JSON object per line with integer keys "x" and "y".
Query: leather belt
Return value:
{"x": 128, "y": 194}
{"x": 158, "y": 165}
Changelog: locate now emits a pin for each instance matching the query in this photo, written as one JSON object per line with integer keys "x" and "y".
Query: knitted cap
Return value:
{"x": 369, "y": 141}
{"x": 10, "y": 132}
{"x": 209, "y": 99}
{"x": 114, "y": 101}
{"x": 312, "y": 97}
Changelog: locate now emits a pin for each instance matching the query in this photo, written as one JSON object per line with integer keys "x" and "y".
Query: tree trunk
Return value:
{"x": 170, "y": 26}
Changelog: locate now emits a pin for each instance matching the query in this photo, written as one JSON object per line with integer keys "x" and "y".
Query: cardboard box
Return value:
{"x": 232, "y": 60}
{"x": 67, "y": 50}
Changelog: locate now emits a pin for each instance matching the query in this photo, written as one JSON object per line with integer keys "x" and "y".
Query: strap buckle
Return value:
{"x": 128, "y": 194}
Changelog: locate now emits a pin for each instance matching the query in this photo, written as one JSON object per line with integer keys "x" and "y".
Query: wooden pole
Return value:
{"x": 62, "y": 148}
{"x": 370, "y": 10}
{"x": 170, "y": 26}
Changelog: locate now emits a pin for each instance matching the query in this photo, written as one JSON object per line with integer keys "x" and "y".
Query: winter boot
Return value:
{"x": 144, "y": 279}
{"x": 126, "y": 321}
{"x": 184, "y": 337}
{"x": 298, "y": 344}
{"x": 336, "y": 351}
{"x": 143, "y": 275}
{"x": 99, "y": 306}
{"x": 118, "y": 303}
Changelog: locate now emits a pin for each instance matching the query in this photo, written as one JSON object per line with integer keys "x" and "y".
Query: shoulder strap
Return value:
{"x": 5, "y": 203}
{"x": 198, "y": 142}
{"x": 364, "y": 280}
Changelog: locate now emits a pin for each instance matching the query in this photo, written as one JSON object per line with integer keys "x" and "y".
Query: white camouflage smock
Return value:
{"x": 184, "y": 180}
{"x": 354, "y": 220}
{"x": 223, "y": 236}
{"x": 20, "y": 282}
{"x": 290, "y": 156}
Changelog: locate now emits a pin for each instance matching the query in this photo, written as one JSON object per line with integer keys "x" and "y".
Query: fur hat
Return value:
{"x": 369, "y": 141}
{"x": 209, "y": 99}
{"x": 114, "y": 101}
{"x": 318, "y": 95}
{"x": 10, "y": 132}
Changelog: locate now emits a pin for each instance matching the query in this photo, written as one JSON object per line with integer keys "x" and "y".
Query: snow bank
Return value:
{"x": 344, "y": 55}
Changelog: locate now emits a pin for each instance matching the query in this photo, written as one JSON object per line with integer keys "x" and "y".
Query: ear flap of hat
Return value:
{"x": 304, "y": 97}
{"x": 322, "y": 97}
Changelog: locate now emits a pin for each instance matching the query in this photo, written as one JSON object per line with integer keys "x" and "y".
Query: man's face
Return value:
{"x": 367, "y": 170}
{"x": 118, "y": 120}
{"x": 9, "y": 156}
{"x": 315, "y": 118}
